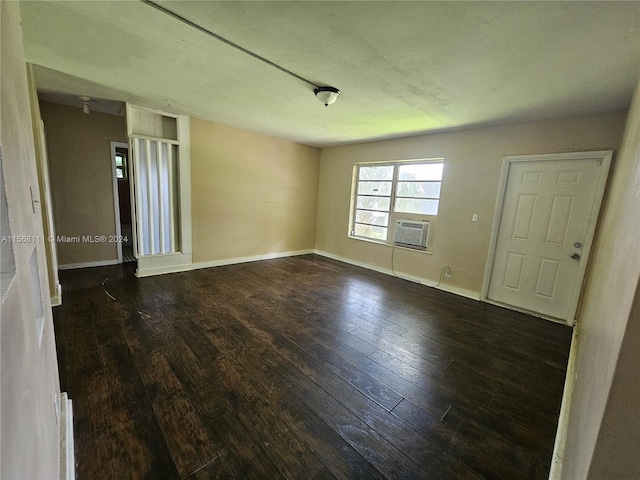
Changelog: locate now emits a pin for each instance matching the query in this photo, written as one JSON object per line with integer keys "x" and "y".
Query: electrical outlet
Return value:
{"x": 447, "y": 272}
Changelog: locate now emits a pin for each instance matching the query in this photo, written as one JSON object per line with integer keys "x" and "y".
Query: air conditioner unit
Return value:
{"x": 412, "y": 233}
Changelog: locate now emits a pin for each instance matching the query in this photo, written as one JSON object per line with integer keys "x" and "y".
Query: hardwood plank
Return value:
{"x": 241, "y": 455}
{"x": 325, "y": 350}
{"x": 341, "y": 458}
{"x": 188, "y": 441}
{"x": 255, "y": 412}
{"x": 489, "y": 452}
{"x": 122, "y": 380}
{"x": 125, "y": 443}
{"x": 198, "y": 378}
{"x": 88, "y": 380}
{"x": 324, "y": 474}
{"x": 425, "y": 450}
{"x": 384, "y": 458}
{"x": 277, "y": 342}
{"x": 303, "y": 367}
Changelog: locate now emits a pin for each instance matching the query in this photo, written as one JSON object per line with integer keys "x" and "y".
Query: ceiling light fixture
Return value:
{"x": 327, "y": 95}
{"x": 85, "y": 104}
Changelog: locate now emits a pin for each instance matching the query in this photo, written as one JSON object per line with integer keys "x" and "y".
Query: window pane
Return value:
{"x": 119, "y": 161}
{"x": 374, "y": 203}
{"x": 421, "y": 171}
{"x": 374, "y": 188}
{"x": 377, "y": 233}
{"x": 376, "y": 173}
{"x": 417, "y": 205}
{"x": 419, "y": 189}
{"x": 414, "y": 186}
{"x": 373, "y": 218}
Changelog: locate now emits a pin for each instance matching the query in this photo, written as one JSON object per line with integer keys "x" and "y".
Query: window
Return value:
{"x": 121, "y": 163}
{"x": 383, "y": 189}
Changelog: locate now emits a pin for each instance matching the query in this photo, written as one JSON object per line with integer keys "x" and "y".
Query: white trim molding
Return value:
{"x": 67, "y": 450}
{"x": 99, "y": 263}
{"x": 422, "y": 281}
{"x": 56, "y": 300}
{"x": 253, "y": 258}
{"x": 563, "y": 420}
{"x": 150, "y": 265}
{"x": 116, "y": 194}
{"x": 159, "y": 264}
{"x": 184, "y": 177}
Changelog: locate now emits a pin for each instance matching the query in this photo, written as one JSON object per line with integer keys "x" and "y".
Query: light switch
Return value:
{"x": 474, "y": 217}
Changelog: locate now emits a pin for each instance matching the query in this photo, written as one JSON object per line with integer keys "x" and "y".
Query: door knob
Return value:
{"x": 575, "y": 256}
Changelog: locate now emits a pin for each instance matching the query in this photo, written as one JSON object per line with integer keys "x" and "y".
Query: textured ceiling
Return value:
{"x": 404, "y": 68}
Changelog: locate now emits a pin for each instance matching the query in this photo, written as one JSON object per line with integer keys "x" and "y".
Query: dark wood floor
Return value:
{"x": 303, "y": 368}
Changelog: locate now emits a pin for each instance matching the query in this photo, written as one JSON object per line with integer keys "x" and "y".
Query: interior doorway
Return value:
{"x": 122, "y": 199}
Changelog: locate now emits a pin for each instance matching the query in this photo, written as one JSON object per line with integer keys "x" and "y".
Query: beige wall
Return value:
{"x": 472, "y": 162}
{"x": 28, "y": 366}
{"x": 603, "y": 435}
{"x": 251, "y": 194}
{"x": 616, "y": 451}
{"x": 81, "y": 179}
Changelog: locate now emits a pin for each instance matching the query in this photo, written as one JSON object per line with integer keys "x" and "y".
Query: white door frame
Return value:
{"x": 604, "y": 156}
{"x": 116, "y": 197}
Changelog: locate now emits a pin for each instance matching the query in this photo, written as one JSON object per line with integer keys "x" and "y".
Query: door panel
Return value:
{"x": 547, "y": 277}
{"x": 514, "y": 271}
{"x": 559, "y": 220}
{"x": 524, "y": 217}
{"x": 548, "y": 206}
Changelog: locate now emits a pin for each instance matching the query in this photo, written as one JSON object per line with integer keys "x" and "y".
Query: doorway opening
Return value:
{"x": 122, "y": 200}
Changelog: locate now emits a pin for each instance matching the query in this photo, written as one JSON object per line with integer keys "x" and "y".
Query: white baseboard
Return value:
{"x": 422, "y": 281}
{"x": 172, "y": 264}
{"x": 67, "y": 450}
{"x": 150, "y": 265}
{"x": 100, "y": 263}
{"x": 56, "y": 300}
{"x": 555, "y": 472}
{"x": 368, "y": 266}
{"x": 457, "y": 291}
{"x": 183, "y": 267}
{"x": 569, "y": 323}
{"x": 254, "y": 258}
{"x": 150, "y": 272}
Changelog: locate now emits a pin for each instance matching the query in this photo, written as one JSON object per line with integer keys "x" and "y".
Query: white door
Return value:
{"x": 546, "y": 224}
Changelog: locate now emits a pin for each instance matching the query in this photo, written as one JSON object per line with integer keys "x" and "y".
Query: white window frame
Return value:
{"x": 392, "y": 199}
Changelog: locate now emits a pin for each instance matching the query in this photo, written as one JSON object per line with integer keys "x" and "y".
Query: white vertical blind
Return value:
{"x": 141, "y": 203}
{"x": 161, "y": 195}
{"x": 155, "y": 188}
{"x": 171, "y": 197}
{"x": 151, "y": 200}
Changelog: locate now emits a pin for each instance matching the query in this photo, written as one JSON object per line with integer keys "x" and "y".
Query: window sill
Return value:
{"x": 387, "y": 244}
